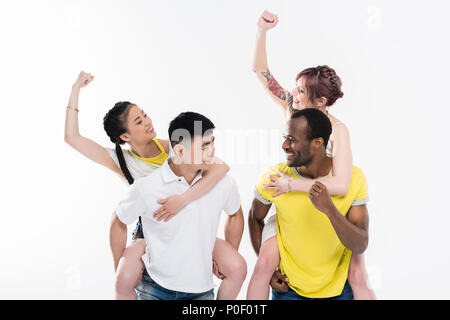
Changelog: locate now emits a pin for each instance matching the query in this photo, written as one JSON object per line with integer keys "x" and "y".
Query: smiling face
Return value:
{"x": 196, "y": 151}
{"x": 296, "y": 145}
{"x": 300, "y": 95}
{"x": 306, "y": 136}
{"x": 139, "y": 127}
{"x": 192, "y": 139}
{"x": 202, "y": 149}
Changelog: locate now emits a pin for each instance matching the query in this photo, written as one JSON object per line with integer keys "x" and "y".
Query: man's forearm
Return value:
{"x": 256, "y": 216}
{"x": 234, "y": 229}
{"x": 351, "y": 236}
{"x": 117, "y": 239}
{"x": 256, "y": 227}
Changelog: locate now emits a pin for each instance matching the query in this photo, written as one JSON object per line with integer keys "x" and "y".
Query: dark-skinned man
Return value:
{"x": 316, "y": 234}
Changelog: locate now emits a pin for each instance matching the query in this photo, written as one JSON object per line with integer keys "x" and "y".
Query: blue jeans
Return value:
{"x": 138, "y": 233}
{"x": 346, "y": 294}
{"x": 150, "y": 290}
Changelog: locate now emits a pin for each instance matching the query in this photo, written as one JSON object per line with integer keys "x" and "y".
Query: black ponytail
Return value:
{"x": 123, "y": 165}
{"x": 114, "y": 124}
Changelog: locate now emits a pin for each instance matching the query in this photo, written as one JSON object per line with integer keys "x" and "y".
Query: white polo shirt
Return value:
{"x": 179, "y": 252}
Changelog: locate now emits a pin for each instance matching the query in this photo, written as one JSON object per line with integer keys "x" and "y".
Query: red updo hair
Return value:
{"x": 322, "y": 81}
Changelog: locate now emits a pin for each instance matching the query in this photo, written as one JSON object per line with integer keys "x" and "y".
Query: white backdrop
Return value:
{"x": 172, "y": 56}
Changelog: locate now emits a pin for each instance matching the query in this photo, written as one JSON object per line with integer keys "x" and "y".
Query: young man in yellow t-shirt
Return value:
{"x": 316, "y": 233}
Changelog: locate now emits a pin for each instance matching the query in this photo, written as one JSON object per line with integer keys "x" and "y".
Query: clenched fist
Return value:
{"x": 83, "y": 80}
{"x": 320, "y": 198}
{"x": 267, "y": 21}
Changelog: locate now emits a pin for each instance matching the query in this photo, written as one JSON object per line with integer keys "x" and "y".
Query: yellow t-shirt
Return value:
{"x": 312, "y": 256}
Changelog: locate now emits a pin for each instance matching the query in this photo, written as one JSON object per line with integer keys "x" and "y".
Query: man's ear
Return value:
{"x": 317, "y": 143}
{"x": 178, "y": 149}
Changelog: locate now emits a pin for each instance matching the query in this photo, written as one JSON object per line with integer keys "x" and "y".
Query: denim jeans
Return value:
{"x": 346, "y": 294}
{"x": 150, "y": 290}
{"x": 137, "y": 232}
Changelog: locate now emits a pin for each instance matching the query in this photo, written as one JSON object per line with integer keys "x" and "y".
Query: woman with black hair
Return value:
{"x": 127, "y": 123}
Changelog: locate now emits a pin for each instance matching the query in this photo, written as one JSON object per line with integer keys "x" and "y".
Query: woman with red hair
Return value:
{"x": 317, "y": 87}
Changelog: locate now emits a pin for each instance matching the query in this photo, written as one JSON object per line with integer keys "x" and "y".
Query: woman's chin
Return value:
{"x": 150, "y": 136}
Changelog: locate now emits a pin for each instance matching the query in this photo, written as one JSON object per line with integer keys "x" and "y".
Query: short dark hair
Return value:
{"x": 188, "y": 121}
{"x": 319, "y": 126}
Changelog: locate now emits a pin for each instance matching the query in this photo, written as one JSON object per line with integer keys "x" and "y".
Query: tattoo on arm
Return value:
{"x": 273, "y": 85}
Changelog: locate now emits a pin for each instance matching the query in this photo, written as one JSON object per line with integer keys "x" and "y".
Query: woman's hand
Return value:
{"x": 83, "y": 80}
{"x": 217, "y": 272}
{"x": 170, "y": 207}
{"x": 279, "y": 183}
{"x": 267, "y": 21}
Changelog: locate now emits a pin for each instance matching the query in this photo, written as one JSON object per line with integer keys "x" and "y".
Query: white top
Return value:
{"x": 179, "y": 251}
{"x": 137, "y": 167}
{"x": 329, "y": 150}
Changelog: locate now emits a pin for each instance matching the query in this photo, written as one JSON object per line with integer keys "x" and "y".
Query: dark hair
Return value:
{"x": 187, "y": 121}
{"x": 114, "y": 123}
{"x": 322, "y": 81}
{"x": 319, "y": 126}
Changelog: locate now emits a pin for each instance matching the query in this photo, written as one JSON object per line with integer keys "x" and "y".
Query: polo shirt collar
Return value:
{"x": 169, "y": 176}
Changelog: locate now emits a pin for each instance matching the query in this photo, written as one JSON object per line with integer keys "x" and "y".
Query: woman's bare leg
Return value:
{"x": 129, "y": 270}
{"x": 267, "y": 263}
{"x": 358, "y": 279}
{"x": 232, "y": 265}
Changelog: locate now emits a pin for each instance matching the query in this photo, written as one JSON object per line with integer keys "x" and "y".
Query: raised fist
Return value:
{"x": 83, "y": 79}
{"x": 267, "y": 21}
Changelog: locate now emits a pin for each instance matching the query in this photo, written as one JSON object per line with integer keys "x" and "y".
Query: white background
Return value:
{"x": 173, "y": 56}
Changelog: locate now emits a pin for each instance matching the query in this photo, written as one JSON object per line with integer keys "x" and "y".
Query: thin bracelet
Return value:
{"x": 73, "y": 108}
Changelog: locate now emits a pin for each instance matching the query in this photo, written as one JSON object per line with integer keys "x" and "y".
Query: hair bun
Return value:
{"x": 322, "y": 81}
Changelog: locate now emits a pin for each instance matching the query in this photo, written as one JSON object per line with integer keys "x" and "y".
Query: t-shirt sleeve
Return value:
{"x": 113, "y": 154}
{"x": 264, "y": 196}
{"x": 362, "y": 195}
{"x": 233, "y": 202}
{"x": 132, "y": 205}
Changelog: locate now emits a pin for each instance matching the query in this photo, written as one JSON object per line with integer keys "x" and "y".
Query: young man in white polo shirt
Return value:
{"x": 179, "y": 251}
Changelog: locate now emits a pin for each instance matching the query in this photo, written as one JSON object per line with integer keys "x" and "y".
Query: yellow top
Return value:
{"x": 312, "y": 256}
{"x": 159, "y": 159}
